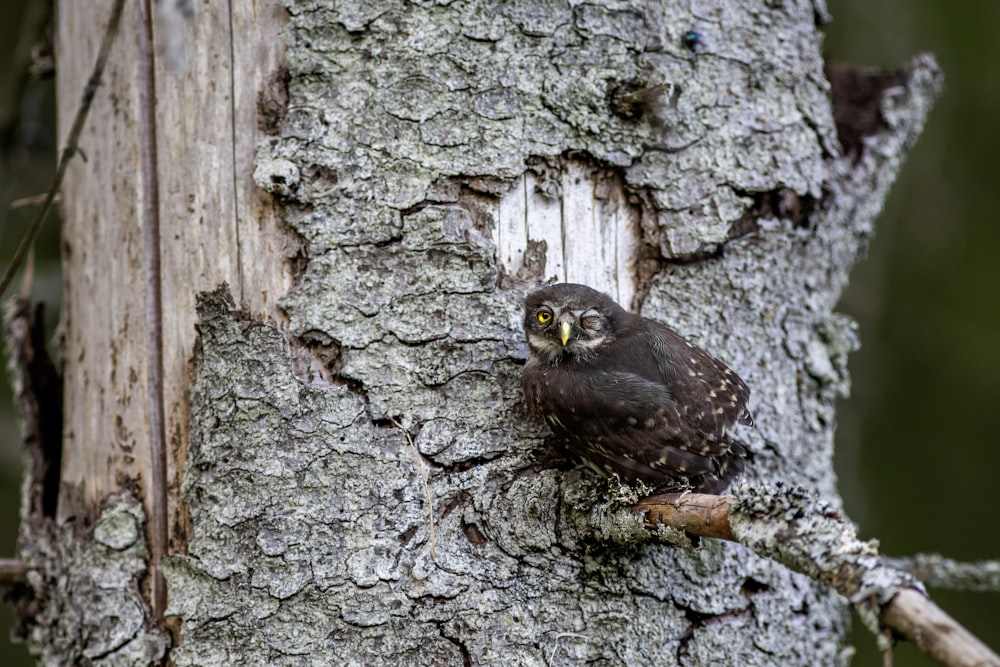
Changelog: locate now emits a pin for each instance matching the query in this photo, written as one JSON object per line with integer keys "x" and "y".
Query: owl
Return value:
{"x": 629, "y": 396}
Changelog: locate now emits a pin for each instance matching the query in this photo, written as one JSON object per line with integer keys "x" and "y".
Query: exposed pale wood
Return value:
{"x": 510, "y": 234}
{"x": 215, "y": 227}
{"x": 696, "y": 513}
{"x": 258, "y": 52}
{"x": 591, "y": 233}
{"x": 106, "y": 437}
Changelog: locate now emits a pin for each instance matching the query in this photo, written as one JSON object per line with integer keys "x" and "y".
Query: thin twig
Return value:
{"x": 940, "y": 572}
{"x": 908, "y": 612}
{"x": 28, "y": 277}
{"x": 33, "y": 200}
{"x": 423, "y": 477}
{"x": 70, "y": 149}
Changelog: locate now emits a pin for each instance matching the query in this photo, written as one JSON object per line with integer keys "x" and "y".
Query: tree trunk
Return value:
{"x": 351, "y": 475}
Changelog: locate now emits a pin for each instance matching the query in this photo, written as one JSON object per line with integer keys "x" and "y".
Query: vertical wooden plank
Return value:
{"x": 215, "y": 227}
{"x": 105, "y": 445}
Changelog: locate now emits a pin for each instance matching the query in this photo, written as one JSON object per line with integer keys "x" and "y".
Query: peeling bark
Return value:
{"x": 81, "y": 599}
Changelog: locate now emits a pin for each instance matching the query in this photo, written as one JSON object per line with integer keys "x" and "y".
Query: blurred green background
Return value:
{"x": 27, "y": 162}
{"x": 917, "y": 449}
{"x": 916, "y": 446}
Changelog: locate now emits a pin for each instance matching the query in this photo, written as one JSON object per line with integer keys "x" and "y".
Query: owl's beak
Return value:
{"x": 565, "y": 329}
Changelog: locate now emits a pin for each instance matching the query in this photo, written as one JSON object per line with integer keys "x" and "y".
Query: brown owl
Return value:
{"x": 629, "y": 395}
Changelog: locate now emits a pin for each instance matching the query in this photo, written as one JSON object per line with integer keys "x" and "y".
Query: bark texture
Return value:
{"x": 407, "y": 125}
{"x": 412, "y": 131}
{"x": 89, "y": 608}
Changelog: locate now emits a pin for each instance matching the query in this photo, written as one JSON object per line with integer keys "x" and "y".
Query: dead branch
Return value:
{"x": 808, "y": 536}
{"x": 34, "y": 200}
{"x": 939, "y": 572}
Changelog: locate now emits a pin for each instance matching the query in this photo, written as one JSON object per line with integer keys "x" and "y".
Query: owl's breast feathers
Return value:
{"x": 645, "y": 405}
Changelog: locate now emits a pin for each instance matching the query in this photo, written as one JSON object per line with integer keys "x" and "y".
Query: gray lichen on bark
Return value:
{"x": 89, "y": 607}
{"x": 832, "y": 552}
{"x": 311, "y": 540}
{"x": 81, "y": 601}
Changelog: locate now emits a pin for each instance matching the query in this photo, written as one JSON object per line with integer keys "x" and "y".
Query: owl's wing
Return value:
{"x": 714, "y": 398}
{"x": 621, "y": 421}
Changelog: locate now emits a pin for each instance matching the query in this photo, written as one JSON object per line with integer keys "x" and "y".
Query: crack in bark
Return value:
{"x": 783, "y": 203}
{"x": 699, "y": 620}
{"x": 466, "y": 464}
{"x": 328, "y": 352}
{"x": 459, "y": 644}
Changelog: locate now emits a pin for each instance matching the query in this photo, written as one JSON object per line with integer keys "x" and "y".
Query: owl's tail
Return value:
{"x": 728, "y": 466}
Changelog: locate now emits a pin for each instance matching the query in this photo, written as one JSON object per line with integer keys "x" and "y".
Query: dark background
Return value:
{"x": 917, "y": 447}
{"x": 917, "y": 452}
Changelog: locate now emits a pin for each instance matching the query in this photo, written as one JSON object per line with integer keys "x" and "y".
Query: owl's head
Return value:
{"x": 567, "y": 320}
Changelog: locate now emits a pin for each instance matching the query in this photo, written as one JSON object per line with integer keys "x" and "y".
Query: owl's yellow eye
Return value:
{"x": 544, "y": 315}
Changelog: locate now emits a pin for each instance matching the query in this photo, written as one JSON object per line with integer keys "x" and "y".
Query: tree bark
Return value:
{"x": 352, "y": 477}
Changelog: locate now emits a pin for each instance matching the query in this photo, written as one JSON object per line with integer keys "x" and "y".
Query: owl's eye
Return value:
{"x": 544, "y": 315}
{"x": 592, "y": 322}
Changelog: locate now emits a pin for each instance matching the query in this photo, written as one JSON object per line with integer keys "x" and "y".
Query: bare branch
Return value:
{"x": 808, "y": 536}
{"x": 34, "y": 200}
{"x": 912, "y": 614}
{"x": 937, "y": 571}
